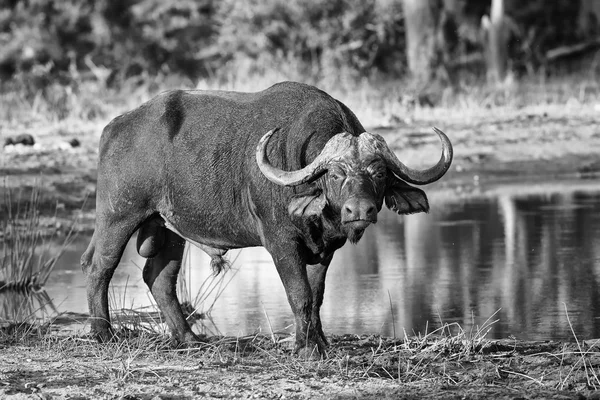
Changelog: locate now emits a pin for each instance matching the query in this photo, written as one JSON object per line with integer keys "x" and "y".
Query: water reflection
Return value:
{"x": 528, "y": 255}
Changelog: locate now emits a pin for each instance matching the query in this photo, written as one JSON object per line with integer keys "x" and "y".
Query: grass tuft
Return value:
{"x": 26, "y": 259}
{"x": 584, "y": 360}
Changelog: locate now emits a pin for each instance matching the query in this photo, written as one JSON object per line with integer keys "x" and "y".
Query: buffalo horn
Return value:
{"x": 288, "y": 178}
{"x": 421, "y": 177}
{"x": 340, "y": 144}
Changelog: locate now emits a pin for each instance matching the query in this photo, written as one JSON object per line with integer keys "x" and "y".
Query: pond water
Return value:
{"x": 525, "y": 255}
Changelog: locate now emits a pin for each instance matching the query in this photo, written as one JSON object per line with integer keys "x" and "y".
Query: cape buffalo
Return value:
{"x": 289, "y": 168}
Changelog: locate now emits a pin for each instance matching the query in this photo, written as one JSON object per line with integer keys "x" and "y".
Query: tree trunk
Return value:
{"x": 589, "y": 18}
{"x": 497, "y": 31}
{"x": 421, "y": 20}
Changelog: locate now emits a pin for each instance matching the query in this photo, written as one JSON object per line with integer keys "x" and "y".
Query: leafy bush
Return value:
{"x": 195, "y": 38}
{"x": 324, "y": 36}
{"x": 42, "y": 40}
{"x": 65, "y": 42}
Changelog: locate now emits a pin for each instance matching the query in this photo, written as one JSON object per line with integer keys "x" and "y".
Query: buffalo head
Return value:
{"x": 355, "y": 174}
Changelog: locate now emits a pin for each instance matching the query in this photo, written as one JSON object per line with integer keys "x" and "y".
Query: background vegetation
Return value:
{"x": 62, "y": 55}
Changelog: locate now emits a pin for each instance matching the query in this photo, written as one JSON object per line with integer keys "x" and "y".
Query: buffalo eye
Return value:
{"x": 378, "y": 173}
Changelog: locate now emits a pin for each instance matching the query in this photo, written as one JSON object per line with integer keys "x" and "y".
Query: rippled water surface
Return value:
{"x": 534, "y": 255}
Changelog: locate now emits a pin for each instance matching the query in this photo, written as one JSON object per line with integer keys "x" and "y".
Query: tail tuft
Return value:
{"x": 218, "y": 264}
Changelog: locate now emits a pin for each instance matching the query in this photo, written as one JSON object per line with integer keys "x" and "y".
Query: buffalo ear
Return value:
{"x": 402, "y": 198}
{"x": 307, "y": 205}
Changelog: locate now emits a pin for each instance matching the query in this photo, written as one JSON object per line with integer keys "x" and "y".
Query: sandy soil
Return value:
{"x": 498, "y": 146}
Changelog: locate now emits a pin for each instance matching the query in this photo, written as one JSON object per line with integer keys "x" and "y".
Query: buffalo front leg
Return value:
{"x": 316, "y": 278}
{"x": 292, "y": 272}
{"x": 160, "y": 274}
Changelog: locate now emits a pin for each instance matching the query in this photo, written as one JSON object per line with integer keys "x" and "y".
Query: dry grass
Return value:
{"x": 448, "y": 358}
{"x": 386, "y": 102}
{"x": 377, "y": 101}
{"x": 26, "y": 259}
{"x": 585, "y": 358}
{"x": 410, "y": 360}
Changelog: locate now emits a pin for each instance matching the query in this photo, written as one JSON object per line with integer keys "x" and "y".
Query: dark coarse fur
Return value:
{"x": 203, "y": 164}
{"x": 185, "y": 160}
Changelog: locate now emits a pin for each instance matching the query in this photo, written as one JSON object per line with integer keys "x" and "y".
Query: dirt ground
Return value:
{"x": 365, "y": 367}
{"x": 537, "y": 143}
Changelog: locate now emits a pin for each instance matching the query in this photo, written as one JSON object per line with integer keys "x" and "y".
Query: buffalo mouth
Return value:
{"x": 354, "y": 230}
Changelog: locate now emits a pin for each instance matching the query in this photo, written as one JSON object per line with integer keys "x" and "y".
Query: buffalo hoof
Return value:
{"x": 322, "y": 339}
{"x": 311, "y": 351}
{"x": 104, "y": 335}
{"x": 189, "y": 340}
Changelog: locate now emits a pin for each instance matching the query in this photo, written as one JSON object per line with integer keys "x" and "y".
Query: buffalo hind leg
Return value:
{"x": 160, "y": 274}
{"x": 316, "y": 278}
{"x": 99, "y": 262}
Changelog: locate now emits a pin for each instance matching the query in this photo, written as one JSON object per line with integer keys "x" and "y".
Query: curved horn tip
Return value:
{"x": 447, "y": 144}
{"x": 438, "y": 131}
{"x": 268, "y": 135}
{"x": 260, "y": 147}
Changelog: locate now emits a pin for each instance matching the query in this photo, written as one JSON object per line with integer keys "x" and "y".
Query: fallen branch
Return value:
{"x": 567, "y": 50}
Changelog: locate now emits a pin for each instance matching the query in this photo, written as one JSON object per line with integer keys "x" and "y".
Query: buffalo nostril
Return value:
{"x": 370, "y": 211}
{"x": 348, "y": 210}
